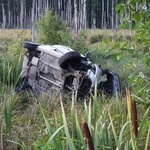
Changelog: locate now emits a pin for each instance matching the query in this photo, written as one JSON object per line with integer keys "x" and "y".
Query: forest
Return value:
{"x": 81, "y": 14}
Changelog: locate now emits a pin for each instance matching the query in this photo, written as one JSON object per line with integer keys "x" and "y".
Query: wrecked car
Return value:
{"x": 50, "y": 68}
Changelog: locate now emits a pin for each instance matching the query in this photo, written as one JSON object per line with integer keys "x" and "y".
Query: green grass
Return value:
{"x": 56, "y": 122}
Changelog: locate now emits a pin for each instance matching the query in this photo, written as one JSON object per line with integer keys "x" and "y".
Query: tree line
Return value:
{"x": 80, "y": 14}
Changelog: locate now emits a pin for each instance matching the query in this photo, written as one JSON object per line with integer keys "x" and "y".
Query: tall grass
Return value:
{"x": 8, "y": 113}
{"x": 106, "y": 131}
{"x": 9, "y": 80}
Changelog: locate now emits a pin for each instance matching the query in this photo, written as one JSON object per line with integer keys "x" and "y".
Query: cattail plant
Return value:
{"x": 134, "y": 117}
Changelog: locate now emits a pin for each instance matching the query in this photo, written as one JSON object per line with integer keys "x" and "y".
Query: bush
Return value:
{"x": 52, "y": 29}
{"x": 140, "y": 23}
{"x": 78, "y": 43}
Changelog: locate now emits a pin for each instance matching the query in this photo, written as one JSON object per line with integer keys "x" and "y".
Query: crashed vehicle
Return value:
{"x": 50, "y": 68}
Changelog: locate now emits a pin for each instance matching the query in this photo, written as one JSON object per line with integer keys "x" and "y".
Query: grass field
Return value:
{"x": 15, "y": 33}
{"x": 54, "y": 122}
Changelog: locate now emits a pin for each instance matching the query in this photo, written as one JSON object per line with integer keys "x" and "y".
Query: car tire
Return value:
{"x": 68, "y": 58}
{"x": 30, "y": 45}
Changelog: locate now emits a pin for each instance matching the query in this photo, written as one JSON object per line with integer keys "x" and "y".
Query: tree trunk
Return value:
{"x": 8, "y": 13}
{"x": 33, "y": 20}
{"x": 18, "y": 17}
{"x": 137, "y": 6}
{"x": 9, "y": 22}
{"x": 102, "y": 14}
{"x": 116, "y": 16}
{"x": 68, "y": 13}
{"x": 21, "y": 13}
{"x": 108, "y": 26}
{"x": 75, "y": 18}
{"x": 59, "y": 8}
{"x": 47, "y": 5}
{"x": 36, "y": 11}
{"x": 93, "y": 19}
{"x": 25, "y": 16}
{"x": 4, "y": 18}
{"x": 14, "y": 16}
{"x": 112, "y": 18}
{"x": 84, "y": 14}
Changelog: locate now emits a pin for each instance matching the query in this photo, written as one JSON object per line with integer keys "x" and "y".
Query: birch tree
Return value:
{"x": 21, "y": 13}
{"x": 93, "y": 19}
{"x": 116, "y": 1}
{"x": 102, "y": 14}
{"x": 75, "y": 18}
{"x": 8, "y": 24}
{"x": 107, "y": 14}
{"x": 68, "y": 12}
{"x": 84, "y": 14}
{"x": 14, "y": 16}
{"x": 136, "y": 6}
{"x": 25, "y": 16}
{"x": 4, "y": 18}
{"x": 112, "y": 18}
{"x": 33, "y": 20}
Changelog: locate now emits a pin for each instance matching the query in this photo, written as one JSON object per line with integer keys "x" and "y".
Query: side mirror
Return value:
{"x": 87, "y": 54}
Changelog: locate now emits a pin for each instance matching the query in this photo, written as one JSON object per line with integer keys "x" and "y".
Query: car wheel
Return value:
{"x": 30, "y": 45}
{"x": 69, "y": 58}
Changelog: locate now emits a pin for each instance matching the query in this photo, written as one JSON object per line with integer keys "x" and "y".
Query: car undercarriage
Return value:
{"x": 50, "y": 68}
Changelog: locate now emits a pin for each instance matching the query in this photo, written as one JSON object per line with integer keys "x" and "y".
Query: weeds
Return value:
{"x": 100, "y": 131}
{"x": 8, "y": 113}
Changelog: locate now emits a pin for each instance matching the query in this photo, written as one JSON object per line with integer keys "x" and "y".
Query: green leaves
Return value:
{"x": 106, "y": 40}
{"x": 120, "y": 55}
{"x": 8, "y": 112}
{"x": 119, "y": 6}
{"x": 136, "y": 17}
{"x": 52, "y": 29}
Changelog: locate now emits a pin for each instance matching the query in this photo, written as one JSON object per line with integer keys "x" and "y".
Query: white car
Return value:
{"x": 49, "y": 68}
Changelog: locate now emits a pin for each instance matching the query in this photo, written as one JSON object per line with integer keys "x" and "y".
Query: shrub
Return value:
{"x": 52, "y": 29}
{"x": 139, "y": 20}
{"x": 78, "y": 43}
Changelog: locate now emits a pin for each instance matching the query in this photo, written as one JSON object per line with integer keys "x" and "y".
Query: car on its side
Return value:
{"x": 49, "y": 68}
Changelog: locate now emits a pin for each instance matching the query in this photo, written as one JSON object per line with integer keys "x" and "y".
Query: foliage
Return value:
{"x": 138, "y": 19}
{"x": 6, "y": 86}
{"x": 108, "y": 132}
{"x": 52, "y": 30}
{"x": 10, "y": 74}
{"x": 10, "y": 63}
{"x": 11, "y": 66}
{"x": 78, "y": 42}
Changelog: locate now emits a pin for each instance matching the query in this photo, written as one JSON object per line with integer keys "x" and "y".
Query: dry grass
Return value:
{"x": 95, "y": 36}
{"x": 14, "y": 33}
